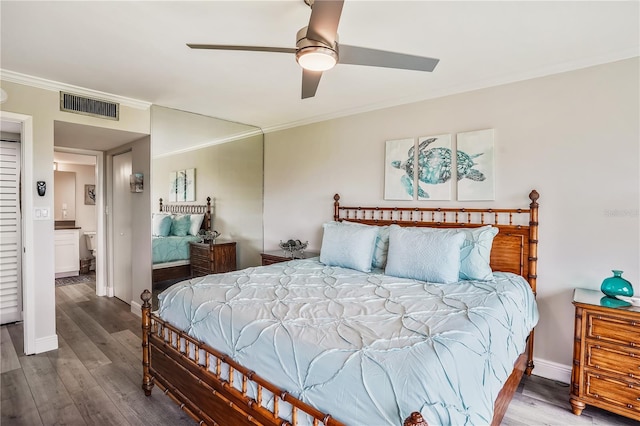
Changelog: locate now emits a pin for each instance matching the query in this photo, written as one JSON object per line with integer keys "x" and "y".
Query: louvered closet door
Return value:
{"x": 10, "y": 243}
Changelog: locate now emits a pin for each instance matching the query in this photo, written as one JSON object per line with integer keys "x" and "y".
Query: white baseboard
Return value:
{"x": 46, "y": 344}
{"x": 552, "y": 370}
{"x": 136, "y": 308}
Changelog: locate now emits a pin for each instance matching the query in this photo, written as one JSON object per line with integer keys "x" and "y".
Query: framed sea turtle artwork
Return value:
{"x": 475, "y": 166}
{"x": 398, "y": 169}
{"x": 434, "y": 168}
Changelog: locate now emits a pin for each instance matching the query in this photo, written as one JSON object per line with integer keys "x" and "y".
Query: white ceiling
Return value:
{"x": 80, "y": 136}
{"x": 137, "y": 50}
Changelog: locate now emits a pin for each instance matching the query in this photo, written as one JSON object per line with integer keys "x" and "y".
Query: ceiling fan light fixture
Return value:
{"x": 317, "y": 58}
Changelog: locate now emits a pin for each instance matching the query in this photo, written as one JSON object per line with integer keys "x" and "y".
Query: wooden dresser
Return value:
{"x": 278, "y": 256}
{"x": 606, "y": 355}
{"x": 212, "y": 258}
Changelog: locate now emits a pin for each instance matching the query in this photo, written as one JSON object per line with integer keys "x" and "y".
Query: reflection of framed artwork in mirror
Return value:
{"x": 136, "y": 182}
{"x": 90, "y": 194}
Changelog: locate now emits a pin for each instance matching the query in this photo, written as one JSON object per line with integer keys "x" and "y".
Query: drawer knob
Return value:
{"x": 629, "y": 406}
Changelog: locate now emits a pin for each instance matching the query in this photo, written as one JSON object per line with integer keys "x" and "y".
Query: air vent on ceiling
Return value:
{"x": 87, "y": 106}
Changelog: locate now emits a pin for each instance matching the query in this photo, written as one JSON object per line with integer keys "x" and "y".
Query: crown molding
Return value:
{"x": 237, "y": 136}
{"x": 42, "y": 83}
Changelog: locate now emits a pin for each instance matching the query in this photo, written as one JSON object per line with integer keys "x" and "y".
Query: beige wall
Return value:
{"x": 44, "y": 106}
{"x": 230, "y": 173}
{"x": 572, "y": 136}
{"x": 85, "y": 214}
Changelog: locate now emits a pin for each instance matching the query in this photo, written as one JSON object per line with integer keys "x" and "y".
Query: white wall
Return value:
{"x": 140, "y": 217}
{"x": 85, "y": 214}
{"x": 44, "y": 106}
{"x": 572, "y": 136}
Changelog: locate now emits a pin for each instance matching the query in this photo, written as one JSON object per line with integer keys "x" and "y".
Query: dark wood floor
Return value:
{"x": 94, "y": 377}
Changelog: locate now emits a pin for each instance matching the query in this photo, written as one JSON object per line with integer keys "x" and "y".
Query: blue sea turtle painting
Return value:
{"x": 434, "y": 167}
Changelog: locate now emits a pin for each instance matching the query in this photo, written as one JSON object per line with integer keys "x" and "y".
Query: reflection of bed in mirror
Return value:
{"x": 170, "y": 245}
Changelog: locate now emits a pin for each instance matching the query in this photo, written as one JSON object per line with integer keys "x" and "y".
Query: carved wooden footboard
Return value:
{"x": 211, "y": 387}
{"x": 215, "y": 390}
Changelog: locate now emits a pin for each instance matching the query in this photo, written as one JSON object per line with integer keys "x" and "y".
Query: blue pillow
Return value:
{"x": 348, "y": 246}
{"x": 424, "y": 256}
{"x": 475, "y": 253}
{"x": 180, "y": 225}
{"x": 161, "y": 224}
{"x": 382, "y": 243}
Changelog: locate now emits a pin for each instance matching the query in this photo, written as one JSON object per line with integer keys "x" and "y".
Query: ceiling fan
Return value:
{"x": 317, "y": 48}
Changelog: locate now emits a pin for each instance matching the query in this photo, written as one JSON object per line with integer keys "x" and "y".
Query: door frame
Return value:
{"x": 28, "y": 238}
{"x": 101, "y": 231}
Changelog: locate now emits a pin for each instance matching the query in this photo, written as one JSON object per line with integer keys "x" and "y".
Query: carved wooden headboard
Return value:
{"x": 190, "y": 209}
{"x": 515, "y": 247}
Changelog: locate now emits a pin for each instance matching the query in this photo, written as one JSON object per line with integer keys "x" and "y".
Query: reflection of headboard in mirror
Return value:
{"x": 190, "y": 209}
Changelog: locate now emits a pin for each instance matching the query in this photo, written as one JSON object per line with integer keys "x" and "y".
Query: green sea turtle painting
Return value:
{"x": 434, "y": 167}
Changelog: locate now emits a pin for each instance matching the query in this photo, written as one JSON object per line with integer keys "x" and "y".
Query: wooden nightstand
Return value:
{"x": 606, "y": 355}
{"x": 212, "y": 258}
{"x": 277, "y": 256}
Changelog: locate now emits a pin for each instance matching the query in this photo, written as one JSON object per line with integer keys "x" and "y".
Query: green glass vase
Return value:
{"x": 616, "y": 285}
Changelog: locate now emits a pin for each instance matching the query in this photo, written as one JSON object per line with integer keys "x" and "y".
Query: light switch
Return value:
{"x": 41, "y": 213}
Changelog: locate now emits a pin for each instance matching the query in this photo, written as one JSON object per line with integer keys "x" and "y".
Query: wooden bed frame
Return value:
{"x": 181, "y": 271}
{"x": 213, "y": 389}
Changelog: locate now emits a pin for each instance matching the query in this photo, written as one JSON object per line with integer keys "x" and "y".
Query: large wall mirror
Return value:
{"x": 225, "y": 160}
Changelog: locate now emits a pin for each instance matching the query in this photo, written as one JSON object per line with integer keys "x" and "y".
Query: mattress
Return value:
{"x": 170, "y": 249}
{"x": 366, "y": 347}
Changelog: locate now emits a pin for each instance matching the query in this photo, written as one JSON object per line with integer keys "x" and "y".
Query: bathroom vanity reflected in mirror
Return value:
{"x": 64, "y": 196}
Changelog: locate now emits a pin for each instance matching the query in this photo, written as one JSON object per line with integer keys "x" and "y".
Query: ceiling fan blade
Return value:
{"x": 381, "y": 58}
{"x": 310, "y": 81}
{"x": 249, "y": 48}
{"x": 323, "y": 24}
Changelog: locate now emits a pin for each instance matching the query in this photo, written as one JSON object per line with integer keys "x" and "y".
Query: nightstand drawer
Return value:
{"x": 200, "y": 251}
{"x": 619, "y": 359}
{"x": 621, "y": 394}
{"x": 200, "y": 262}
{"x": 197, "y": 271}
{"x": 613, "y": 329}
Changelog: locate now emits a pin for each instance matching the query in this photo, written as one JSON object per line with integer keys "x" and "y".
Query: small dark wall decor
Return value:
{"x": 90, "y": 195}
{"x": 42, "y": 187}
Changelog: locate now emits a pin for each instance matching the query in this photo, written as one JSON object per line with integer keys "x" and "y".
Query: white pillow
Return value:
{"x": 348, "y": 246}
{"x": 424, "y": 256}
{"x": 196, "y": 223}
